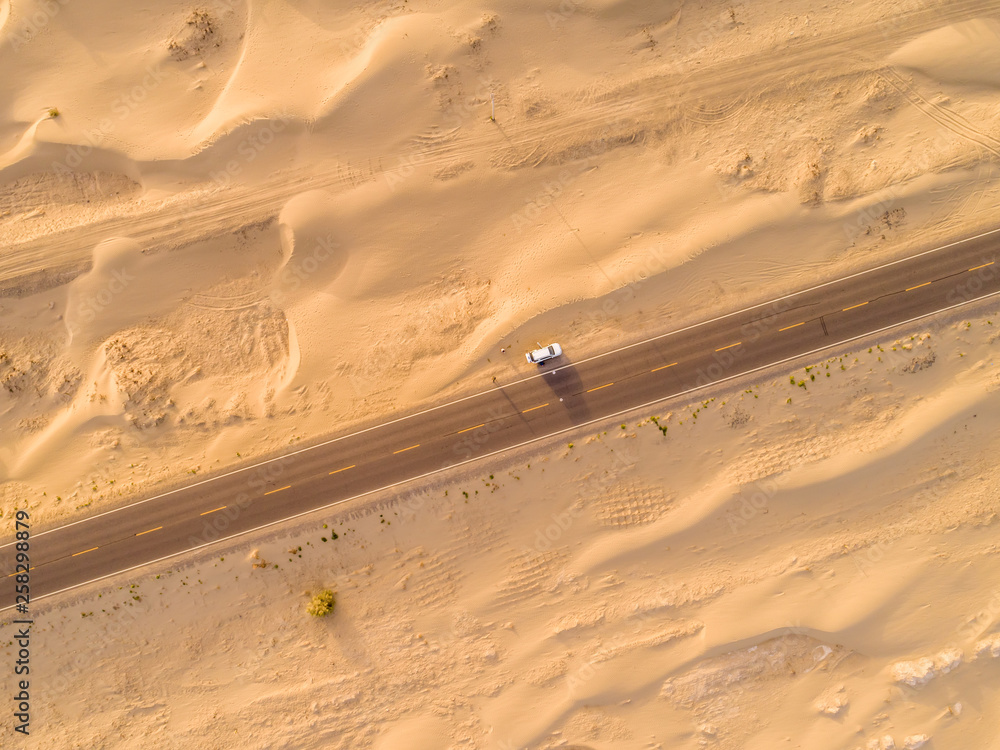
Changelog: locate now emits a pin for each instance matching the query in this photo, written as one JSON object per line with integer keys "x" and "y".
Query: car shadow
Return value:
{"x": 565, "y": 383}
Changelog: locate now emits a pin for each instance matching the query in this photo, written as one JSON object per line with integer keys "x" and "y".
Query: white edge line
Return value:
{"x": 512, "y": 447}
{"x": 516, "y": 382}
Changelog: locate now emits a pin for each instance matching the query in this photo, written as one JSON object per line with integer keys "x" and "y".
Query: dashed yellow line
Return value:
{"x": 918, "y": 286}
{"x": 591, "y": 390}
{"x": 215, "y": 510}
{"x": 344, "y": 469}
{"x": 403, "y": 450}
{"x": 862, "y": 304}
{"x": 723, "y": 348}
{"x": 788, "y": 328}
{"x": 271, "y": 492}
{"x": 542, "y": 406}
{"x": 664, "y": 367}
{"x": 15, "y": 573}
{"x": 983, "y": 266}
{"x": 84, "y": 552}
{"x": 470, "y": 429}
{"x": 150, "y": 531}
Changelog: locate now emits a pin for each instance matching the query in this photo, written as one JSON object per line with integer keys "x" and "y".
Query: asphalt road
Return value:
{"x": 552, "y": 398}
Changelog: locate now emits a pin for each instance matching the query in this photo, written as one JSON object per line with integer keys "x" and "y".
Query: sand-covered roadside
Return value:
{"x": 231, "y": 228}
{"x": 804, "y": 564}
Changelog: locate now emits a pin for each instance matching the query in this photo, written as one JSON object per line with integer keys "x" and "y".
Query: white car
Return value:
{"x": 545, "y": 353}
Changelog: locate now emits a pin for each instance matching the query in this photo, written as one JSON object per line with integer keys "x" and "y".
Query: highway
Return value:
{"x": 557, "y": 397}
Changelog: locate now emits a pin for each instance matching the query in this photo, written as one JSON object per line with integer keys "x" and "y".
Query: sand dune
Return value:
{"x": 837, "y": 612}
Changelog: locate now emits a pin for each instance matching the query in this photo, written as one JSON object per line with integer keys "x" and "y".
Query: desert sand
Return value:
{"x": 234, "y": 227}
{"x": 790, "y": 566}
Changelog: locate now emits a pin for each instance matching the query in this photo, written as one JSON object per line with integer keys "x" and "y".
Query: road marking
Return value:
{"x": 632, "y": 409}
{"x": 14, "y": 574}
{"x": 918, "y": 286}
{"x": 854, "y": 306}
{"x": 471, "y": 396}
{"x": 216, "y": 510}
{"x": 151, "y": 530}
{"x": 591, "y": 390}
{"x": 403, "y": 450}
{"x": 469, "y": 429}
{"x": 723, "y": 348}
{"x": 664, "y": 367}
{"x": 534, "y": 407}
{"x": 344, "y": 469}
{"x": 788, "y": 328}
{"x": 84, "y": 552}
{"x": 270, "y": 492}
{"x": 983, "y": 266}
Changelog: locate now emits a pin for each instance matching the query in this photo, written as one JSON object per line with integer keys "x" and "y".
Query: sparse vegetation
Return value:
{"x": 321, "y": 604}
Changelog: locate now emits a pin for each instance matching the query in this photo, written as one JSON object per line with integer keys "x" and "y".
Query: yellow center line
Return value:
{"x": 151, "y": 530}
{"x": 31, "y": 568}
{"x": 214, "y": 510}
{"x": 926, "y": 283}
{"x": 534, "y": 407}
{"x": 591, "y": 390}
{"x": 983, "y": 266}
{"x": 344, "y": 469}
{"x": 468, "y": 429}
{"x": 788, "y": 328}
{"x": 84, "y": 552}
{"x": 402, "y": 450}
{"x": 723, "y": 348}
{"x": 853, "y": 306}
{"x": 664, "y": 367}
{"x": 271, "y": 492}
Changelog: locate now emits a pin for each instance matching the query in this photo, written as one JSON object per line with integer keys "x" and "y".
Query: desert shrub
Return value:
{"x": 321, "y": 604}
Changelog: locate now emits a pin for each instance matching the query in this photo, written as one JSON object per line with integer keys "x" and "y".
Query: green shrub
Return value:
{"x": 321, "y": 604}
